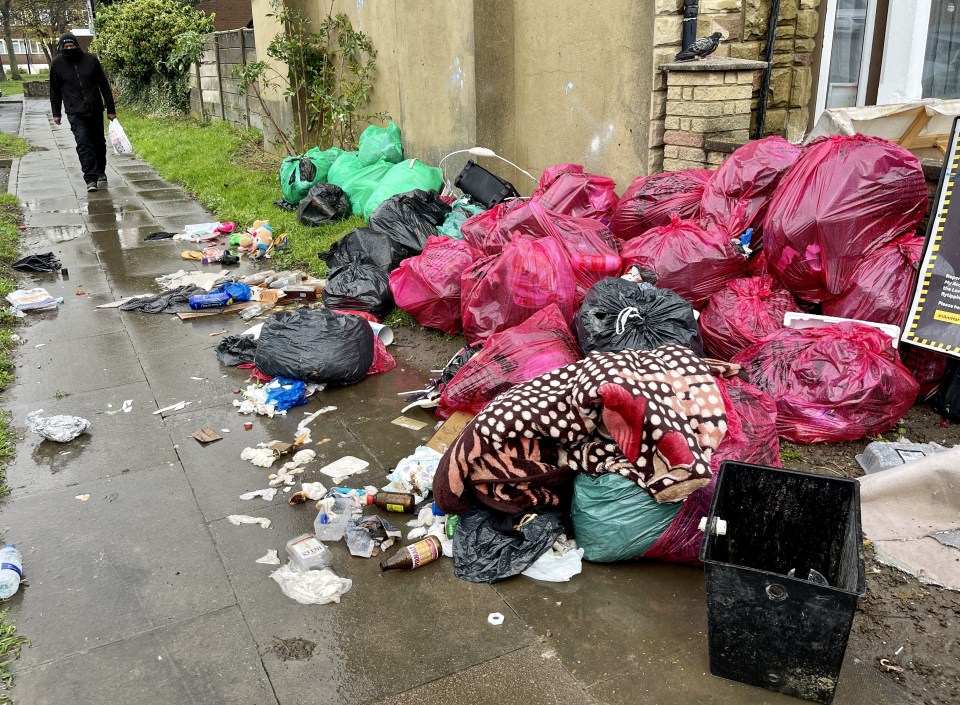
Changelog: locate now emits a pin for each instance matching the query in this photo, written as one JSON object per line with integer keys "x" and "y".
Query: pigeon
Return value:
{"x": 701, "y": 48}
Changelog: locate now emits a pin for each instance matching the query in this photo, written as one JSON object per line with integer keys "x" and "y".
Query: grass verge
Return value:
{"x": 12, "y": 147}
{"x": 10, "y": 641}
{"x": 16, "y": 87}
{"x": 229, "y": 173}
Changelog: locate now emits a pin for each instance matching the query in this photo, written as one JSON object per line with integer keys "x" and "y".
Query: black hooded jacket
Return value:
{"x": 79, "y": 85}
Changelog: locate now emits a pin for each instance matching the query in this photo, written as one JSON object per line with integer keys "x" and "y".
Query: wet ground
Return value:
{"x": 144, "y": 593}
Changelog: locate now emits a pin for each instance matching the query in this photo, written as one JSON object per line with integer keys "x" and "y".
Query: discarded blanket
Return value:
{"x": 172, "y": 301}
{"x": 655, "y": 417}
{"x": 47, "y": 262}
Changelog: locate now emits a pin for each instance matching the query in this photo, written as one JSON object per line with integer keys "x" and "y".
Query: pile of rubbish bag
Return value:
{"x": 619, "y": 349}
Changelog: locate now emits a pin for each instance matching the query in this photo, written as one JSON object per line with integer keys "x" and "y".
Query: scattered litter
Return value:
{"x": 307, "y": 420}
{"x": 307, "y": 553}
{"x": 224, "y": 430}
{"x": 207, "y": 435}
{"x": 344, "y": 467}
{"x": 407, "y": 422}
{"x": 38, "y": 299}
{"x": 82, "y": 497}
{"x": 890, "y": 667}
{"x": 311, "y": 491}
{"x": 370, "y": 536}
{"x": 127, "y": 406}
{"x": 179, "y": 406}
{"x": 40, "y": 345}
{"x": 311, "y": 587}
{"x": 883, "y": 455}
{"x": 170, "y": 301}
{"x": 61, "y": 429}
{"x": 238, "y": 519}
{"x": 197, "y": 379}
{"x": 47, "y": 262}
{"x": 495, "y": 618}
{"x": 289, "y": 471}
{"x": 414, "y": 474}
{"x": 267, "y": 494}
{"x": 270, "y": 558}
{"x": 559, "y": 564}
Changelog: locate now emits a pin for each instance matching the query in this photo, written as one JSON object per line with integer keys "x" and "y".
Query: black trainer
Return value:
{"x": 92, "y": 186}
{"x": 102, "y": 180}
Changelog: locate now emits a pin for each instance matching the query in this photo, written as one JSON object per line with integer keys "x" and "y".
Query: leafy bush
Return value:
{"x": 146, "y": 46}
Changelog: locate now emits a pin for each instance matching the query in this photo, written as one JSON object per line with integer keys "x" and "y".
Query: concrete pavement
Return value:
{"x": 146, "y": 594}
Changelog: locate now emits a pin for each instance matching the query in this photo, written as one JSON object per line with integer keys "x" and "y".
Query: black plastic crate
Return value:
{"x": 766, "y": 629}
{"x": 482, "y": 186}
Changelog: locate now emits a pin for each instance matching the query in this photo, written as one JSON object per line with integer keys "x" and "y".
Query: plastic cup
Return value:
{"x": 385, "y": 333}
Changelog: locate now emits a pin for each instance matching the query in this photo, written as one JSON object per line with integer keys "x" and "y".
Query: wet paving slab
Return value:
{"x": 117, "y": 442}
{"x": 95, "y": 575}
{"x": 125, "y": 238}
{"x": 55, "y": 219}
{"x": 390, "y": 633}
{"x": 119, "y": 220}
{"x": 161, "y": 194}
{"x": 178, "y": 208}
{"x": 34, "y": 239}
{"x": 182, "y": 663}
{"x": 147, "y": 184}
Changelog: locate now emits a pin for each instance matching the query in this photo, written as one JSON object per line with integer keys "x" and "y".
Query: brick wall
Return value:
{"x": 229, "y": 14}
{"x": 744, "y": 24}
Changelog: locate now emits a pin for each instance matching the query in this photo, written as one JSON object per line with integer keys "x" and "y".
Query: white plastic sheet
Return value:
{"x": 311, "y": 587}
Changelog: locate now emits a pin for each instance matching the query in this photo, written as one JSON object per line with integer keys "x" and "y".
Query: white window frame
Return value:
{"x": 20, "y": 46}
{"x": 829, "y": 23}
{"x": 904, "y": 52}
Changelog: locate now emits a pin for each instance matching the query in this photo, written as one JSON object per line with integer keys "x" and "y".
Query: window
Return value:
{"x": 3, "y": 47}
{"x": 847, "y": 53}
{"x": 19, "y": 47}
{"x": 35, "y": 48}
{"x": 940, "y": 76}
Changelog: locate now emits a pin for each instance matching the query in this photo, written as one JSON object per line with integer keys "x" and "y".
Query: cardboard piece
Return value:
{"x": 407, "y": 422}
{"x": 206, "y": 313}
{"x": 269, "y": 296}
{"x": 207, "y": 435}
{"x": 449, "y": 432}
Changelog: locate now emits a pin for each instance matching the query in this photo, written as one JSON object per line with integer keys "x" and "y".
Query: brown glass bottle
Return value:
{"x": 413, "y": 556}
{"x": 393, "y": 501}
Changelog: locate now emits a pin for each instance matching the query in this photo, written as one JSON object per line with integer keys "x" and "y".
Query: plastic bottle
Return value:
{"x": 291, "y": 280}
{"x": 254, "y": 311}
{"x": 307, "y": 552}
{"x": 413, "y": 556}
{"x": 333, "y": 525}
{"x": 11, "y": 571}
{"x": 202, "y": 301}
{"x": 392, "y": 501}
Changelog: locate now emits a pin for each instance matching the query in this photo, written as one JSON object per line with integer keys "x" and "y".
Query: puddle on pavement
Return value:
{"x": 41, "y": 236}
{"x": 50, "y": 205}
{"x": 160, "y": 194}
{"x": 57, "y": 456}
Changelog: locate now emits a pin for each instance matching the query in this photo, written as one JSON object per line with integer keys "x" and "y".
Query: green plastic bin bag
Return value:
{"x": 614, "y": 519}
{"x": 406, "y": 176}
{"x": 358, "y": 182}
{"x": 460, "y": 210}
{"x": 299, "y": 174}
{"x": 378, "y": 143}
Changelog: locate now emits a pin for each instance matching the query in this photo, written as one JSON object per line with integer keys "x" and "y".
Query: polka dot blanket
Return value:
{"x": 654, "y": 417}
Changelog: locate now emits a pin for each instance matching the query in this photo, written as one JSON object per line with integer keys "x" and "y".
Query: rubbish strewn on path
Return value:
{"x": 46, "y": 262}
{"x": 344, "y": 467}
{"x": 269, "y": 558}
{"x": 207, "y": 435}
{"x": 38, "y": 299}
{"x": 238, "y": 519}
{"x": 311, "y": 587}
{"x": 61, "y": 429}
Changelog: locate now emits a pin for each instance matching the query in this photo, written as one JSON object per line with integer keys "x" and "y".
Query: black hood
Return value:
{"x": 67, "y": 36}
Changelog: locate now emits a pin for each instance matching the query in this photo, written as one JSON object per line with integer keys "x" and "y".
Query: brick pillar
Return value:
{"x": 706, "y": 100}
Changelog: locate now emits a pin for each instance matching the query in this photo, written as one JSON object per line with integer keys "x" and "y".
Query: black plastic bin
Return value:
{"x": 765, "y": 628}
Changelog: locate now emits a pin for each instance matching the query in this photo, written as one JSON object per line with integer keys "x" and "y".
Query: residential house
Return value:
{"x": 581, "y": 80}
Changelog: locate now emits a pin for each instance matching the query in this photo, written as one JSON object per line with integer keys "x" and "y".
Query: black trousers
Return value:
{"x": 91, "y": 145}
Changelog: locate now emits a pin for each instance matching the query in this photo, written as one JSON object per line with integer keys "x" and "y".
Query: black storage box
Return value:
{"x": 483, "y": 187}
{"x": 765, "y": 628}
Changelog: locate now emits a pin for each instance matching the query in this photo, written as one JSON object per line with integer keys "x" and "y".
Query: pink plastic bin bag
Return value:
{"x": 541, "y": 344}
{"x": 566, "y": 189}
{"x": 694, "y": 261}
{"x": 743, "y": 185}
{"x": 504, "y": 290}
{"x": 428, "y": 286}
{"x": 844, "y": 198}
{"x": 651, "y": 200}
{"x": 840, "y": 383}
{"x": 742, "y": 313}
{"x": 881, "y": 284}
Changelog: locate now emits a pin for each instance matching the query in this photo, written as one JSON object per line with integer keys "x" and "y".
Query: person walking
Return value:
{"x": 79, "y": 85}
